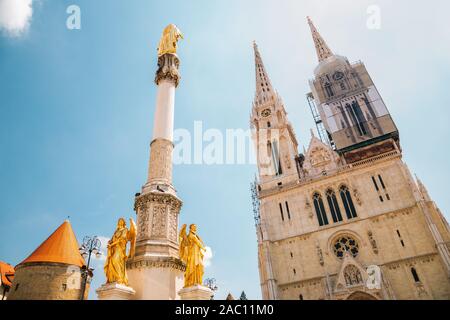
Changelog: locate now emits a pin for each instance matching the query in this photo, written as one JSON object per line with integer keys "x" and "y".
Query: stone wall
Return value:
{"x": 47, "y": 281}
{"x": 392, "y": 234}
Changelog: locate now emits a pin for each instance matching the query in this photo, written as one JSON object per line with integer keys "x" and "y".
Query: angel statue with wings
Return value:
{"x": 192, "y": 250}
{"x": 117, "y": 252}
{"x": 169, "y": 39}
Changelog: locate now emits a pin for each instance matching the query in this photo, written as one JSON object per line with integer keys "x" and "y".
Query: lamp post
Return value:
{"x": 91, "y": 245}
{"x": 211, "y": 284}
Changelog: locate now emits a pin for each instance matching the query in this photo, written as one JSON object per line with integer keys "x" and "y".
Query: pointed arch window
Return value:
{"x": 276, "y": 158}
{"x": 329, "y": 90}
{"x": 359, "y": 115}
{"x": 320, "y": 209}
{"x": 334, "y": 207}
{"x": 355, "y": 112}
{"x": 348, "y": 202}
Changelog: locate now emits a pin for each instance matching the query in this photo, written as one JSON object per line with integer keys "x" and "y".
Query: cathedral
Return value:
{"x": 345, "y": 219}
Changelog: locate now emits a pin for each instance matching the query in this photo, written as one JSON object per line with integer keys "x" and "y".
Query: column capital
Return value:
{"x": 168, "y": 65}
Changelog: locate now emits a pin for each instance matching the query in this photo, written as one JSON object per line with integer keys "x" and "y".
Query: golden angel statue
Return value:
{"x": 117, "y": 252}
{"x": 169, "y": 39}
{"x": 192, "y": 251}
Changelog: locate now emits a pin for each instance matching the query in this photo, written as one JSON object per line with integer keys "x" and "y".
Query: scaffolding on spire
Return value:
{"x": 255, "y": 201}
{"x": 321, "y": 131}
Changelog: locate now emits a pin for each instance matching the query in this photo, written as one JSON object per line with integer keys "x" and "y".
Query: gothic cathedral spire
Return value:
{"x": 264, "y": 89}
{"x": 322, "y": 49}
{"x": 275, "y": 141}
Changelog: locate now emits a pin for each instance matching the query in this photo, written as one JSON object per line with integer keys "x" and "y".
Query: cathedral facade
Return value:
{"x": 345, "y": 219}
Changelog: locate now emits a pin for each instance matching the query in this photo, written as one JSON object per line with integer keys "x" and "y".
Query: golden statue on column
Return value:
{"x": 192, "y": 251}
{"x": 117, "y": 252}
{"x": 169, "y": 39}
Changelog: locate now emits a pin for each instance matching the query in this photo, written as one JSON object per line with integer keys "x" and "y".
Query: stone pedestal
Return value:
{"x": 155, "y": 278}
{"x": 115, "y": 291}
{"x": 196, "y": 292}
{"x": 155, "y": 271}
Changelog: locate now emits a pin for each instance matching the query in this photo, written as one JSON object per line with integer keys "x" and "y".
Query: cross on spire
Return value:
{"x": 322, "y": 49}
{"x": 264, "y": 89}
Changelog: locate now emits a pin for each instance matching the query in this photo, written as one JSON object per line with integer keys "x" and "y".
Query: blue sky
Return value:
{"x": 76, "y": 108}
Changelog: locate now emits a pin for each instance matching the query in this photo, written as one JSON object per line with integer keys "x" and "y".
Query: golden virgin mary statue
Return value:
{"x": 169, "y": 39}
{"x": 192, "y": 253}
{"x": 117, "y": 252}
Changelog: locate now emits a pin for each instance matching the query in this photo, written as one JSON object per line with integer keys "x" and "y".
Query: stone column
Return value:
{"x": 161, "y": 148}
{"x": 156, "y": 271}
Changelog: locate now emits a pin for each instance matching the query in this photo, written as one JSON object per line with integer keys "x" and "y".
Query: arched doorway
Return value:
{"x": 358, "y": 295}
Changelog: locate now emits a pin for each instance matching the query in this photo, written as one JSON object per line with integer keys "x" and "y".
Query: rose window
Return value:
{"x": 343, "y": 244}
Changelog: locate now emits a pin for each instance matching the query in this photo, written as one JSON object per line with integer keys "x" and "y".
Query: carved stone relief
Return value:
{"x": 373, "y": 242}
{"x": 357, "y": 196}
{"x": 168, "y": 65}
{"x": 159, "y": 221}
{"x": 173, "y": 226}
{"x": 320, "y": 254}
{"x": 287, "y": 161}
{"x": 160, "y": 166}
{"x": 352, "y": 276}
{"x": 319, "y": 156}
{"x": 143, "y": 223}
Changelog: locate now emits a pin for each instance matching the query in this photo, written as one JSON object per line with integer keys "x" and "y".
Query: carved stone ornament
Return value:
{"x": 142, "y": 223}
{"x": 320, "y": 254}
{"x": 351, "y": 274}
{"x": 308, "y": 208}
{"x": 307, "y": 203}
{"x": 161, "y": 198}
{"x": 159, "y": 222}
{"x": 287, "y": 161}
{"x": 421, "y": 291}
{"x": 319, "y": 157}
{"x": 168, "y": 65}
{"x": 168, "y": 262}
{"x": 373, "y": 277}
{"x": 373, "y": 242}
{"x": 357, "y": 196}
{"x": 157, "y": 216}
{"x": 160, "y": 165}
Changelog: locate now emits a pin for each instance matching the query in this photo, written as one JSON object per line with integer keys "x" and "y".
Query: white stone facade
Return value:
{"x": 344, "y": 224}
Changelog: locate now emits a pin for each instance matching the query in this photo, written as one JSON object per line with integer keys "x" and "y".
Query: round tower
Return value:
{"x": 52, "y": 271}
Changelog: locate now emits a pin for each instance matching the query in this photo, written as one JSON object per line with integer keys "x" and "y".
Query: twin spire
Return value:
{"x": 322, "y": 49}
{"x": 264, "y": 89}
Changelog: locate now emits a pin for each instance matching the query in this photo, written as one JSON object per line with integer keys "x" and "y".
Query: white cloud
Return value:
{"x": 207, "y": 257}
{"x": 103, "y": 249}
{"x": 15, "y": 16}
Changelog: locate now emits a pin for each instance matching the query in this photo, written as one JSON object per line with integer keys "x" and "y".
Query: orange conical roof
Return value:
{"x": 61, "y": 247}
{"x": 6, "y": 273}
